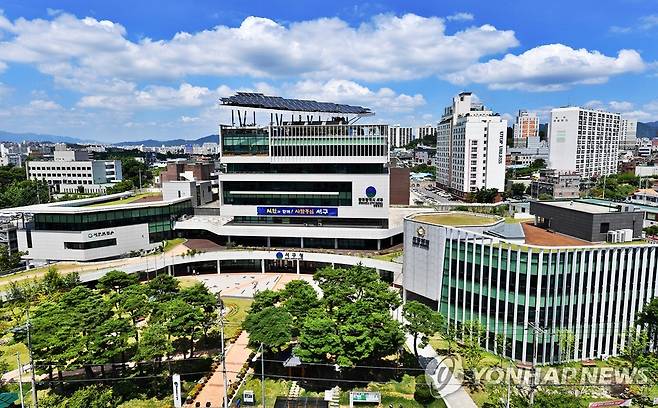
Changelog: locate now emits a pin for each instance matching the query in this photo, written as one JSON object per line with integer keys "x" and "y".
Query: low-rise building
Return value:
{"x": 199, "y": 191}
{"x": 558, "y": 185}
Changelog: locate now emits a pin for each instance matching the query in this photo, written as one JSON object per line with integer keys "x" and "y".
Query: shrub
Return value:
{"x": 423, "y": 393}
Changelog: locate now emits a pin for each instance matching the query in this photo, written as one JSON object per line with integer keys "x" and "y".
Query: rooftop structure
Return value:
{"x": 260, "y": 101}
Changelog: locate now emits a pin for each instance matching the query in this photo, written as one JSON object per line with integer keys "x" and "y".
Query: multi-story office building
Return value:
{"x": 526, "y": 130}
{"x": 644, "y": 147}
{"x": 72, "y": 171}
{"x": 627, "y": 133}
{"x": 470, "y": 147}
{"x": 525, "y": 156}
{"x": 584, "y": 140}
{"x": 509, "y": 277}
{"x": 309, "y": 176}
{"x": 400, "y": 136}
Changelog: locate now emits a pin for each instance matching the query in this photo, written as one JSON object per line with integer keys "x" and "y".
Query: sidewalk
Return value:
{"x": 236, "y": 355}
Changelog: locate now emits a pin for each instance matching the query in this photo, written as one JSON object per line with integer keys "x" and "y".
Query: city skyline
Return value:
{"x": 136, "y": 71}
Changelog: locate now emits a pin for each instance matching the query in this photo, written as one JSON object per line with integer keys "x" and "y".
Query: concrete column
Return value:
{"x": 269, "y": 242}
{"x": 219, "y": 267}
{"x": 170, "y": 270}
{"x": 262, "y": 266}
{"x": 333, "y": 265}
{"x": 379, "y": 244}
{"x": 301, "y": 240}
{"x": 228, "y": 239}
{"x": 298, "y": 267}
{"x": 335, "y": 243}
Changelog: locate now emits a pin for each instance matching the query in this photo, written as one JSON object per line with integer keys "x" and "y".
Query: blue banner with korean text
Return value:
{"x": 298, "y": 211}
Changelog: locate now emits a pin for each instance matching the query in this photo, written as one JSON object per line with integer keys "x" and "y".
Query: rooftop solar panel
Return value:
{"x": 258, "y": 100}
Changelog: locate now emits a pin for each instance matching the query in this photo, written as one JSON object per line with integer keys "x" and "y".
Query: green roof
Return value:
{"x": 455, "y": 219}
{"x": 7, "y": 399}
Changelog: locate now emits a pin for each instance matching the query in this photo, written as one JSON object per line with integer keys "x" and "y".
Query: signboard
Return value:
{"x": 298, "y": 211}
{"x": 175, "y": 381}
{"x": 371, "y": 198}
{"x": 248, "y": 397}
{"x": 289, "y": 255}
{"x": 611, "y": 403}
{"x": 365, "y": 396}
{"x": 99, "y": 234}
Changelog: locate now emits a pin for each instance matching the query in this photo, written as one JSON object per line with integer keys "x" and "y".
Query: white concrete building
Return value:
{"x": 470, "y": 147}
{"x": 400, "y": 136}
{"x": 526, "y": 130}
{"x": 72, "y": 172}
{"x": 644, "y": 147}
{"x": 627, "y": 133}
{"x": 584, "y": 140}
{"x": 427, "y": 130}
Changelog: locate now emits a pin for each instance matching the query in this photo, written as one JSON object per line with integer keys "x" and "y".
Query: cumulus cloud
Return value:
{"x": 551, "y": 67}
{"x": 350, "y": 92}
{"x": 150, "y": 97}
{"x": 644, "y": 23}
{"x": 385, "y": 47}
{"x": 646, "y": 112}
{"x": 460, "y": 17}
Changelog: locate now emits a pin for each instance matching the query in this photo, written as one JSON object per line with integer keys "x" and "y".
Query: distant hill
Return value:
{"x": 173, "y": 142}
{"x": 649, "y": 129}
{"x": 37, "y": 137}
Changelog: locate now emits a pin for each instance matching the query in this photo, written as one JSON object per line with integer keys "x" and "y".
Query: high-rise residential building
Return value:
{"x": 583, "y": 140}
{"x": 526, "y": 129}
{"x": 627, "y": 133}
{"x": 427, "y": 130}
{"x": 71, "y": 171}
{"x": 400, "y": 136}
{"x": 470, "y": 147}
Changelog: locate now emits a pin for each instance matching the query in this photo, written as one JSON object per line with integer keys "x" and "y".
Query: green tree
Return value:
{"x": 566, "y": 342}
{"x": 422, "y": 322}
{"x": 272, "y": 326}
{"x": 483, "y": 195}
{"x": 264, "y": 298}
{"x": 115, "y": 281}
{"x": 648, "y": 318}
{"x": 132, "y": 170}
{"x": 637, "y": 343}
{"x": 9, "y": 259}
{"x": 472, "y": 334}
{"x": 93, "y": 396}
{"x": 318, "y": 340}
{"x": 163, "y": 288}
{"x": 299, "y": 298}
{"x": 134, "y": 302}
{"x": 182, "y": 320}
{"x": 200, "y": 297}
{"x": 154, "y": 344}
{"x": 423, "y": 391}
{"x": 502, "y": 346}
{"x": 120, "y": 187}
{"x": 517, "y": 189}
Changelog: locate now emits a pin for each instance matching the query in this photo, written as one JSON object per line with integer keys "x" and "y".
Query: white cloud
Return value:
{"x": 644, "y": 23}
{"x": 4, "y": 90}
{"x": 460, "y": 17}
{"x": 150, "y": 97}
{"x": 344, "y": 91}
{"x": 385, "y": 47}
{"x": 646, "y": 112}
{"x": 551, "y": 67}
{"x": 189, "y": 119}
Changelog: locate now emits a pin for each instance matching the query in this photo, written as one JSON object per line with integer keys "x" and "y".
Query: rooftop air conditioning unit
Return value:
{"x": 628, "y": 234}
{"x": 612, "y": 237}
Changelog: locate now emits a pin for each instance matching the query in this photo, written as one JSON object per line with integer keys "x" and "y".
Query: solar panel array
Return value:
{"x": 258, "y": 100}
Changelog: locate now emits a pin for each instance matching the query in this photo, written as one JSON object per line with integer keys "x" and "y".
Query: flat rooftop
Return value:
{"x": 455, "y": 219}
{"x": 581, "y": 206}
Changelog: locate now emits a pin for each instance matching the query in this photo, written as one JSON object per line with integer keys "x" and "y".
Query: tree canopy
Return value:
{"x": 349, "y": 324}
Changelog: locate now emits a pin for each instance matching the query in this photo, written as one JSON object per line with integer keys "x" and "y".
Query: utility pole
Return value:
{"x": 262, "y": 373}
{"x": 533, "y": 378}
{"x": 33, "y": 379}
{"x": 221, "y": 324}
{"x": 20, "y": 379}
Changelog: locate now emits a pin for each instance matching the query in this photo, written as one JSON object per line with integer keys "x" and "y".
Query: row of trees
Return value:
{"x": 17, "y": 191}
{"x": 118, "y": 321}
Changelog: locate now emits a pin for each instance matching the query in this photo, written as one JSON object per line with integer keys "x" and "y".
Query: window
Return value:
{"x": 604, "y": 228}
{"x": 90, "y": 245}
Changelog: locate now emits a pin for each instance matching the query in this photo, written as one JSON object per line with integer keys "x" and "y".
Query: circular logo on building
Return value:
{"x": 279, "y": 255}
{"x": 420, "y": 231}
{"x": 371, "y": 192}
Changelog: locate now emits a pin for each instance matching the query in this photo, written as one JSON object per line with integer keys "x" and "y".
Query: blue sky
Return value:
{"x": 119, "y": 70}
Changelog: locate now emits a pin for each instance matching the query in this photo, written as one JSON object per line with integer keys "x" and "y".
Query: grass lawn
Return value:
{"x": 8, "y": 354}
{"x": 150, "y": 403}
{"x": 30, "y": 274}
{"x": 388, "y": 257}
{"x": 236, "y": 315}
{"x": 172, "y": 243}
{"x": 455, "y": 219}
{"x": 126, "y": 200}
{"x": 273, "y": 388}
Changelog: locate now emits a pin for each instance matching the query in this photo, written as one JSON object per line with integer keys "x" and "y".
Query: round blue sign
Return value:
{"x": 371, "y": 192}
{"x": 279, "y": 255}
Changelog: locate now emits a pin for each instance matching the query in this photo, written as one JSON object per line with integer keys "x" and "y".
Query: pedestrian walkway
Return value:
{"x": 236, "y": 355}
{"x": 451, "y": 389}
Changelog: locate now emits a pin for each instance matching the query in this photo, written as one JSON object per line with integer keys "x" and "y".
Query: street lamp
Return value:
{"x": 261, "y": 353}
{"x": 220, "y": 304}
